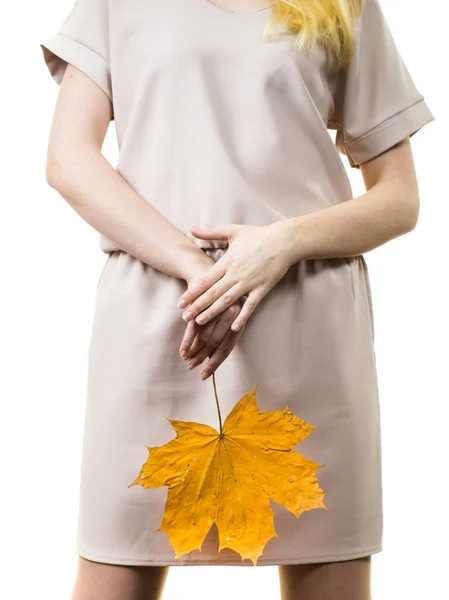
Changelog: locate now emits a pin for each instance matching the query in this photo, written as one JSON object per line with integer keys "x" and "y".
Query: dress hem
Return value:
{"x": 282, "y": 560}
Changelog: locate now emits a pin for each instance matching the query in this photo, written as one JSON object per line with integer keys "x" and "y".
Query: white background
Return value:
{"x": 50, "y": 265}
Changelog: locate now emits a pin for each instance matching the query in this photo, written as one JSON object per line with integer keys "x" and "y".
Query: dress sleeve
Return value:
{"x": 83, "y": 41}
{"x": 377, "y": 103}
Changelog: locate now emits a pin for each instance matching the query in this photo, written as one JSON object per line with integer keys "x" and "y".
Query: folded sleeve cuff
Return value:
{"x": 387, "y": 134}
{"x": 60, "y": 50}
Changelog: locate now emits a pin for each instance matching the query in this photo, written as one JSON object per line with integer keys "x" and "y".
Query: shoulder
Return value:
{"x": 87, "y": 12}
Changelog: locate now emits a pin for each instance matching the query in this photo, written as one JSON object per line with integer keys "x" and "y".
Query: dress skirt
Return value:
{"x": 309, "y": 345}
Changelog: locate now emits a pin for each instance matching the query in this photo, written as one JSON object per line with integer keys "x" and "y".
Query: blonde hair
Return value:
{"x": 327, "y": 22}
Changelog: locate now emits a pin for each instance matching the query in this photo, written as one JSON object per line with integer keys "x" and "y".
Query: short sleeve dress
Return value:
{"x": 216, "y": 126}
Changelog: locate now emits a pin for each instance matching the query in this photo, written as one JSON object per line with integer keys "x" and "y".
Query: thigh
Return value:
{"x": 342, "y": 580}
{"x": 99, "y": 581}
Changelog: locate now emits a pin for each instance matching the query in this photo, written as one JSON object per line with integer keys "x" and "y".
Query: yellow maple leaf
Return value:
{"x": 228, "y": 478}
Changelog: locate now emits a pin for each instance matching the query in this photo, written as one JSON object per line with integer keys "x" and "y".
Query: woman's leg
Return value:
{"x": 342, "y": 580}
{"x": 99, "y": 581}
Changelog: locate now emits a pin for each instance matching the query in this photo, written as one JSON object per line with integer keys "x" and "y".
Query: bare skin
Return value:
{"x": 99, "y": 581}
{"x": 259, "y": 256}
{"x": 78, "y": 170}
{"x": 342, "y": 580}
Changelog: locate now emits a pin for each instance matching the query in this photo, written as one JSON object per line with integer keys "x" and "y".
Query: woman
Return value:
{"x": 230, "y": 201}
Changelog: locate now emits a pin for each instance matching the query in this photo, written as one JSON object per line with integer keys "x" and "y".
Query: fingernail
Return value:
{"x": 183, "y": 353}
{"x": 186, "y": 316}
{"x": 200, "y": 320}
{"x": 182, "y": 303}
{"x": 235, "y": 326}
{"x": 205, "y": 375}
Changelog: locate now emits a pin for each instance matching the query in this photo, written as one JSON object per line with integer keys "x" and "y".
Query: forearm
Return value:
{"x": 353, "y": 227}
{"x": 98, "y": 193}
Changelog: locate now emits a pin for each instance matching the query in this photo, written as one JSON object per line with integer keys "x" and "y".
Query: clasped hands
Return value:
{"x": 218, "y": 303}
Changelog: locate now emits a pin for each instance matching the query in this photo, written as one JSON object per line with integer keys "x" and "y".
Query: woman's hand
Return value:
{"x": 256, "y": 259}
{"x": 214, "y": 340}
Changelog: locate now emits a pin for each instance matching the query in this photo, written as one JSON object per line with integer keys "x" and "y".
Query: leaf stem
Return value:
{"x": 216, "y": 399}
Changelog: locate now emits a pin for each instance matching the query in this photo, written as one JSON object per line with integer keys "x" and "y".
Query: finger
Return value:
{"x": 213, "y": 233}
{"x": 223, "y": 325}
{"x": 200, "y": 285}
{"x": 221, "y": 304}
{"x": 209, "y": 297}
{"x": 202, "y": 338}
{"x": 196, "y": 346}
{"x": 221, "y": 353}
{"x": 199, "y": 357}
{"x": 248, "y": 308}
{"x": 189, "y": 336}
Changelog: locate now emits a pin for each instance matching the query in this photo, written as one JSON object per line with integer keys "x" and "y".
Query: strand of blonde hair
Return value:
{"x": 326, "y": 22}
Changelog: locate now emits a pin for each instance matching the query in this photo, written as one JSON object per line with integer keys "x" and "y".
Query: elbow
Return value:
{"x": 410, "y": 213}
{"x": 410, "y": 224}
{"x": 53, "y": 174}
{"x": 56, "y": 169}
{"x": 64, "y": 167}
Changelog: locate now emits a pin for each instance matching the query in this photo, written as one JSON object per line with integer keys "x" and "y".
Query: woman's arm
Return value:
{"x": 77, "y": 169}
{"x": 79, "y": 172}
{"x": 259, "y": 256}
{"x": 388, "y": 209}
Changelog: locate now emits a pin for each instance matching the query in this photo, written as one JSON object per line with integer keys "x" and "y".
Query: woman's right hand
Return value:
{"x": 214, "y": 340}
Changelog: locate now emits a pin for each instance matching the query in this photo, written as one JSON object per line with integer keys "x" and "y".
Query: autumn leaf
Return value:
{"x": 228, "y": 478}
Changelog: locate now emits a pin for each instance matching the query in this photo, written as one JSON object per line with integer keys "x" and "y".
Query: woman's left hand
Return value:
{"x": 256, "y": 259}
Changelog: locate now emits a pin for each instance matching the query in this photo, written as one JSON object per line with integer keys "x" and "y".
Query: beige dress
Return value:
{"x": 216, "y": 126}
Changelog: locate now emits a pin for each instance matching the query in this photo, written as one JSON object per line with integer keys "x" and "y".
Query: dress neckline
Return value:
{"x": 238, "y": 13}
